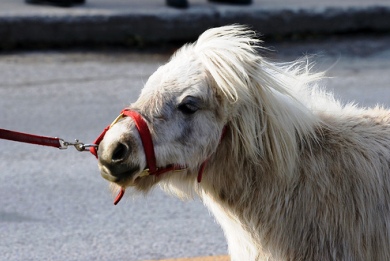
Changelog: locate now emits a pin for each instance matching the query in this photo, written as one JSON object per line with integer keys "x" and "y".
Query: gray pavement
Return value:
{"x": 150, "y": 22}
{"x": 55, "y": 206}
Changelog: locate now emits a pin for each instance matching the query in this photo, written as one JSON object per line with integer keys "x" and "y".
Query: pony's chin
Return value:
{"x": 126, "y": 179}
{"x": 138, "y": 181}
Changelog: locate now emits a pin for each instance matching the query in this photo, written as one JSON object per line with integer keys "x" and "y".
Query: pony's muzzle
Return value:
{"x": 115, "y": 161}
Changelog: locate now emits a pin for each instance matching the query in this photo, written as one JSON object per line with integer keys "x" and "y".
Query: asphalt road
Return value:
{"x": 55, "y": 206}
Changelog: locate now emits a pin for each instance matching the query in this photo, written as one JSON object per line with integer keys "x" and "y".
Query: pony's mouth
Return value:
{"x": 123, "y": 179}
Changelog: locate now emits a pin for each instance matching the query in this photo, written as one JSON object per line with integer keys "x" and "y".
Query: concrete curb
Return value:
{"x": 143, "y": 27}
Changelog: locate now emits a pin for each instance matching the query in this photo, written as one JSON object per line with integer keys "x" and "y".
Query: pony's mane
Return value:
{"x": 267, "y": 120}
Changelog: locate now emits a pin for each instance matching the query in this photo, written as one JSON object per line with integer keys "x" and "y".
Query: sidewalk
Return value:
{"x": 143, "y": 22}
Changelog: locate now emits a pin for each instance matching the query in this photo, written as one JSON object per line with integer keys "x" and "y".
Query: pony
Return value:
{"x": 289, "y": 172}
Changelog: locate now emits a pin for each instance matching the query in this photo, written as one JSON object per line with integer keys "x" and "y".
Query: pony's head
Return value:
{"x": 219, "y": 81}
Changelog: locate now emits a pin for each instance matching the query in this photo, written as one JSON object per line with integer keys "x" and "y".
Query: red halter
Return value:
{"x": 147, "y": 143}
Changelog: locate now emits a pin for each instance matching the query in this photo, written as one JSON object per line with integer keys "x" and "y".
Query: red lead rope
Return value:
{"x": 29, "y": 138}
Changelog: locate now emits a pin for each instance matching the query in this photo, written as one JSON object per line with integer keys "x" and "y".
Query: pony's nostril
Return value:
{"x": 119, "y": 153}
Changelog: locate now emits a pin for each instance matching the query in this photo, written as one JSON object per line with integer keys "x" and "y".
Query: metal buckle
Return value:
{"x": 77, "y": 144}
{"x": 144, "y": 173}
{"x": 180, "y": 170}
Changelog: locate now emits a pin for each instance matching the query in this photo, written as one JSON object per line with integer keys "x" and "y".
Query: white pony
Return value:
{"x": 288, "y": 172}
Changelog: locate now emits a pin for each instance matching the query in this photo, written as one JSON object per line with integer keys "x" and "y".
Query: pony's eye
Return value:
{"x": 188, "y": 108}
